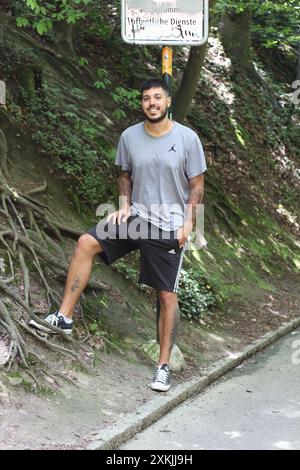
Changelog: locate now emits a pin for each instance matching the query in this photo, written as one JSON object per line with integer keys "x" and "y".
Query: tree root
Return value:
{"x": 37, "y": 190}
{"x": 17, "y": 345}
{"x": 53, "y": 346}
{"x": 31, "y": 238}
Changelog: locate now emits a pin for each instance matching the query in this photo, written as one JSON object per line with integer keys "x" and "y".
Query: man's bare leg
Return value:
{"x": 79, "y": 272}
{"x": 167, "y": 324}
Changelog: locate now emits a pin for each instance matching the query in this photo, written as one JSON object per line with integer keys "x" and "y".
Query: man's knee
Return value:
{"x": 167, "y": 298}
{"x": 88, "y": 244}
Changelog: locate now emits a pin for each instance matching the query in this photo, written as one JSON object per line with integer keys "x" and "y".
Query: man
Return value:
{"x": 161, "y": 182}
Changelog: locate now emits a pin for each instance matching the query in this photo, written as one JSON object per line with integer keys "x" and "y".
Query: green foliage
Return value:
{"x": 273, "y": 22}
{"x": 101, "y": 21}
{"x": 127, "y": 270}
{"x": 119, "y": 114}
{"x": 277, "y": 22}
{"x": 22, "y": 22}
{"x": 241, "y": 135}
{"x": 126, "y": 99}
{"x": 78, "y": 144}
{"x": 195, "y": 296}
{"x": 42, "y": 15}
{"x": 129, "y": 97}
{"x": 99, "y": 16}
{"x": 130, "y": 272}
{"x": 83, "y": 61}
{"x": 103, "y": 81}
{"x": 235, "y": 6}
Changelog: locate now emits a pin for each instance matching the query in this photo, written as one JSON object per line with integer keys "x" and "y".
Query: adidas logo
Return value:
{"x": 173, "y": 252}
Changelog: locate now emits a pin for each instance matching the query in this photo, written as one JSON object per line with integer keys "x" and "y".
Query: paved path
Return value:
{"x": 257, "y": 406}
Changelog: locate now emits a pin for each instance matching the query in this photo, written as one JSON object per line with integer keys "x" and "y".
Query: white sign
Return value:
{"x": 168, "y": 22}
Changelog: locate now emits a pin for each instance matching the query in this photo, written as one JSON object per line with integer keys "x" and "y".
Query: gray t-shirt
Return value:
{"x": 161, "y": 168}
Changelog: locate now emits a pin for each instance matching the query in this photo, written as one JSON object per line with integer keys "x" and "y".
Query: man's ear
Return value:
{"x": 169, "y": 101}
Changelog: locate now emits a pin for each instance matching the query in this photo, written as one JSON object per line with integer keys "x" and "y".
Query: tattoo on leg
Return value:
{"x": 75, "y": 284}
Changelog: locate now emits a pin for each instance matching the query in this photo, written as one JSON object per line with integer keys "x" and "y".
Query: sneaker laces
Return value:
{"x": 161, "y": 375}
{"x": 53, "y": 319}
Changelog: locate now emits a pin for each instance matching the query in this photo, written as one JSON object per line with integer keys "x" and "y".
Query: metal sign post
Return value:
{"x": 167, "y": 70}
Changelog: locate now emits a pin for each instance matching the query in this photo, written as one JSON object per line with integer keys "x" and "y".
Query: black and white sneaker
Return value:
{"x": 55, "y": 319}
{"x": 161, "y": 380}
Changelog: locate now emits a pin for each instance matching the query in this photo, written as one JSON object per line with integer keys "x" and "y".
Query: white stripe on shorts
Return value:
{"x": 179, "y": 267}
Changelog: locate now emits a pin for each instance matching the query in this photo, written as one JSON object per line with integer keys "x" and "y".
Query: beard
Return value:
{"x": 158, "y": 119}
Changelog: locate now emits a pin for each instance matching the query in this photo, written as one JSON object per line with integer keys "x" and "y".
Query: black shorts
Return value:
{"x": 160, "y": 255}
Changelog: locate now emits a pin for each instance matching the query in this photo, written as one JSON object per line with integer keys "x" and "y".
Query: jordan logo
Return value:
{"x": 172, "y": 149}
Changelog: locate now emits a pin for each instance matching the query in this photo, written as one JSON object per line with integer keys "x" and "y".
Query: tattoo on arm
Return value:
{"x": 195, "y": 196}
{"x": 76, "y": 284}
{"x": 125, "y": 186}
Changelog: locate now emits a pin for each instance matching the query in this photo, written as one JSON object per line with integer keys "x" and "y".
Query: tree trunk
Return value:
{"x": 190, "y": 79}
{"x": 27, "y": 81}
{"x": 63, "y": 36}
{"x": 3, "y": 156}
{"x": 298, "y": 64}
{"x": 189, "y": 82}
{"x": 293, "y": 101}
{"x": 236, "y": 40}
